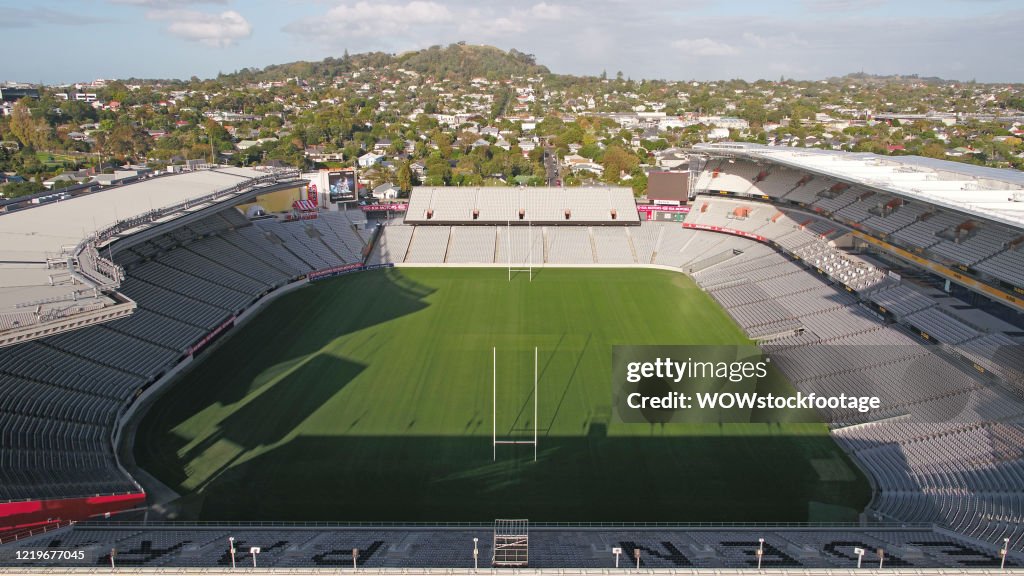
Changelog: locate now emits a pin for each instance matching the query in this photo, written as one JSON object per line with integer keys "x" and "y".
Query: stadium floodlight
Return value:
{"x": 1005, "y": 550}
{"x": 617, "y": 552}
{"x": 760, "y": 551}
{"x": 860, "y": 555}
{"x": 254, "y": 550}
{"x": 231, "y": 548}
{"x": 476, "y": 555}
{"x": 881, "y": 557}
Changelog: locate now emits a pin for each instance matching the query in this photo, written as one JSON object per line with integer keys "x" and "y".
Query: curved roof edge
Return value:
{"x": 54, "y": 275}
{"x": 994, "y": 194}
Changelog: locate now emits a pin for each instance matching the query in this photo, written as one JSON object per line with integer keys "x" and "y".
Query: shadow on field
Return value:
{"x": 302, "y": 374}
{"x": 299, "y": 324}
{"x": 278, "y": 410}
{"x": 752, "y": 478}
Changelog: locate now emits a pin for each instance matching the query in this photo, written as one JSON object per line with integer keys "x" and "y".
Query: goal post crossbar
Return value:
{"x": 494, "y": 407}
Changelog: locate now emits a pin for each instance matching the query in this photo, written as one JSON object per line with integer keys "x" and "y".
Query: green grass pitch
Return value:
{"x": 368, "y": 398}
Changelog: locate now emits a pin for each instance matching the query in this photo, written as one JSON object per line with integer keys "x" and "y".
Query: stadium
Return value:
{"x": 190, "y": 383}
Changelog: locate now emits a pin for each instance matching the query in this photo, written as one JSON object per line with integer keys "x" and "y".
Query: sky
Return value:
{"x": 67, "y": 41}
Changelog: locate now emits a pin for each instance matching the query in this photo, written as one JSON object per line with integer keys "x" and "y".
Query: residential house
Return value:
{"x": 50, "y": 183}
{"x": 418, "y": 169}
{"x": 370, "y": 159}
{"x": 386, "y": 192}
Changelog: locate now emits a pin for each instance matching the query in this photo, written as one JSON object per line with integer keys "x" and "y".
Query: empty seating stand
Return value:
{"x": 60, "y": 396}
{"x": 300, "y": 548}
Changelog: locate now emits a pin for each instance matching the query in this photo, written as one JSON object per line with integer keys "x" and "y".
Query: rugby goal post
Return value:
{"x": 514, "y": 263}
{"x": 494, "y": 407}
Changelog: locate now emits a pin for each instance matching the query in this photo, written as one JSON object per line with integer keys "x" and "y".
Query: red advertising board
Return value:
{"x": 211, "y": 336}
{"x": 396, "y": 207}
{"x": 662, "y": 208}
{"x": 653, "y": 211}
{"x": 311, "y": 194}
{"x": 732, "y": 231}
{"x": 345, "y": 269}
{"x": 335, "y": 271}
{"x": 28, "y": 513}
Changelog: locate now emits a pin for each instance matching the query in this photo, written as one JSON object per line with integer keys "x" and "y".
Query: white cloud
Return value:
{"x": 399, "y": 25}
{"x": 588, "y": 36}
{"x": 756, "y": 40}
{"x": 216, "y": 30}
{"x": 704, "y": 47}
{"x": 545, "y": 11}
{"x": 365, "y": 19}
{"x": 500, "y": 26}
{"x": 775, "y": 41}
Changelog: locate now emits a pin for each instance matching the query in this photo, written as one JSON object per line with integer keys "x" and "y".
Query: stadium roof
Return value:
{"x": 52, "y": 276}
{"x": 990, "y": 193}
{"x": 28, "y": 236}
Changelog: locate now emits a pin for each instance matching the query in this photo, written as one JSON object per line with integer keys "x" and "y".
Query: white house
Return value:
{"x": 370, "y": 159}
{"x": 386, "y": 192}
{"x": 718, "y": 134}
{"x": 592, "y": 167}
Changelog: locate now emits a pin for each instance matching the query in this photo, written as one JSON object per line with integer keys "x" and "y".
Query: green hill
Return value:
{"x": 465, "y": 61}
{"x": 457, "y": 61}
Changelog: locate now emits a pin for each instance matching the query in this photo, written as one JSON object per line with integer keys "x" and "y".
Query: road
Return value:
{"x": 551, "y": 165}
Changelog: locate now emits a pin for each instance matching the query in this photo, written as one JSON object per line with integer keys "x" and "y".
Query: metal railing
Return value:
{"x": 177, "y": 525}
{"x": 88, "y": 266}
{"x": 159, "y": 213}
{"x": 35, "y": 531}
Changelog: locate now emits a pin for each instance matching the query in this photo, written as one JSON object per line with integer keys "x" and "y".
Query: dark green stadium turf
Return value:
{"x": 368, "y": 398}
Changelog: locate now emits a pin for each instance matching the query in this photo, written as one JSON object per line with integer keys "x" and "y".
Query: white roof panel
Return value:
{"x": 991, "y": 193}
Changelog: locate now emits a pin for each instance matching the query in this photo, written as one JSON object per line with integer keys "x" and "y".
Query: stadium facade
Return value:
{"x": 809, "y": 252}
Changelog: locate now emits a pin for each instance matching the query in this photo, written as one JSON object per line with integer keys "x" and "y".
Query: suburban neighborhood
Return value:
{"x": 465, "y": 115}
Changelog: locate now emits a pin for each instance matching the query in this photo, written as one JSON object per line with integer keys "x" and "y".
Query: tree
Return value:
{"x": 404, "y": 177}
{"x": 438, "y": 170}
{"x": 378, "y": 176}
{"x": 219, "y": 137}
{"x": 30, "y": 131}
{"x": 17, "y": 189}
{"x": 639, "y": 182}
{"x": 933, "y": 150}
{"x": 617, "y": 161}
{"x": 124, "y": 141}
